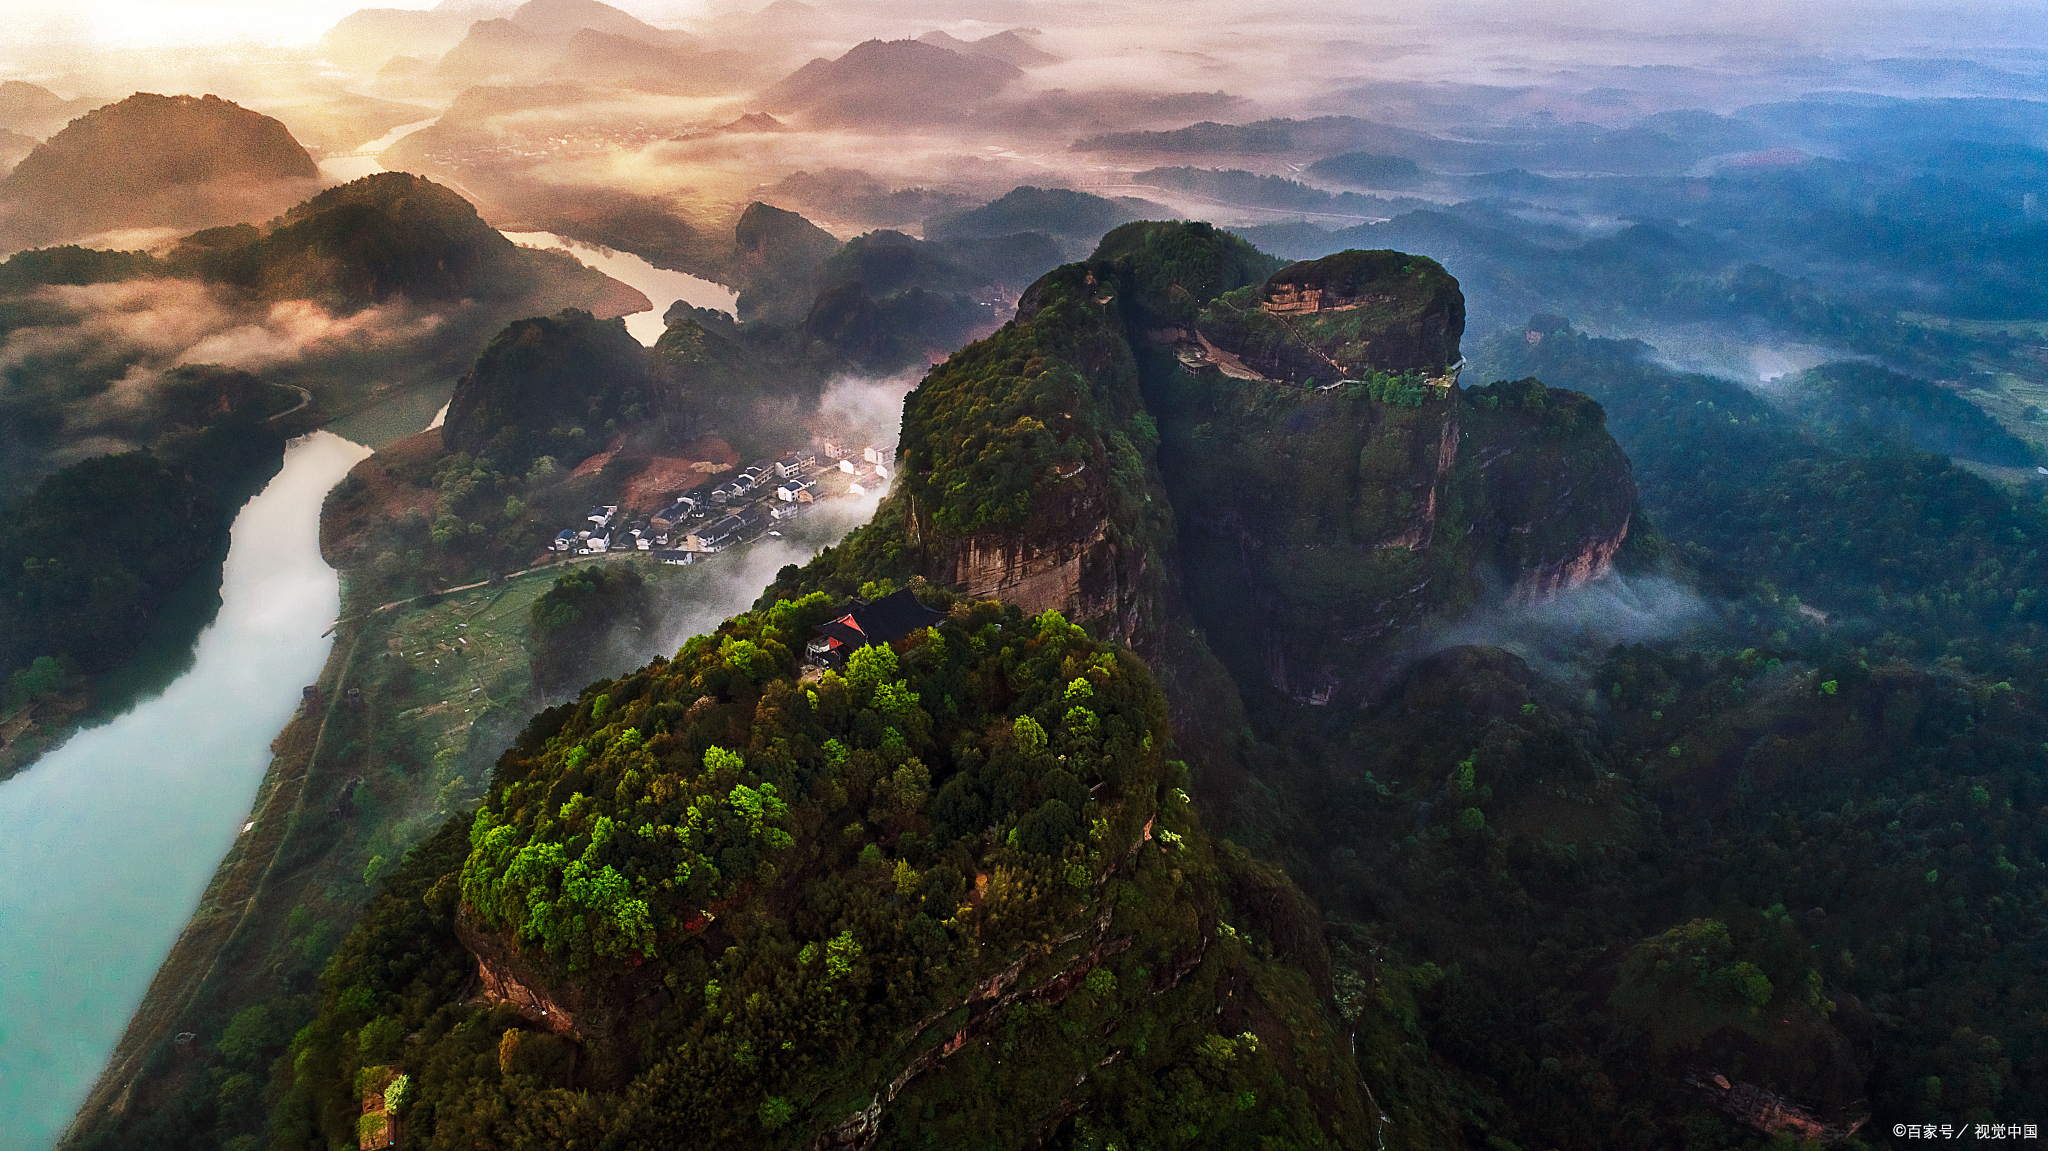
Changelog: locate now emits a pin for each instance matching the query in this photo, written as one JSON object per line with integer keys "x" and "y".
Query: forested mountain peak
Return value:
{"x": 153, "y": 160}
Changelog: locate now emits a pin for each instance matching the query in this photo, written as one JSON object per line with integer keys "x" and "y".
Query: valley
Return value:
{"x": 1024, "y": 576}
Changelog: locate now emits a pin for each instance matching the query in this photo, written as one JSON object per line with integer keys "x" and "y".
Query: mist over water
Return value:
{"x": 107, "y": 842}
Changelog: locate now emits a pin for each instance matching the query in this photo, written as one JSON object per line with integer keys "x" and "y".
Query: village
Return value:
{"x": 680, "y": 525}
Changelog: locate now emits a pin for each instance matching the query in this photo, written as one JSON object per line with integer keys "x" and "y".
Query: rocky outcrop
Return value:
{"x": 1082, "y": 576}
{"x": 503, "y": 976}
{"x": 1594, "y": 559}
{"x": 1345, "y": 316}
{"x": 1768, "y": 1112}
{"x": 1554, "y": 495}
{"x": 1320, "y": 487}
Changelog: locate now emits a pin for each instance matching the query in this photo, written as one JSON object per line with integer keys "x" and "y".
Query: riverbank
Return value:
{"x": 113, "y": 837}
{"x": 404, "y": 725}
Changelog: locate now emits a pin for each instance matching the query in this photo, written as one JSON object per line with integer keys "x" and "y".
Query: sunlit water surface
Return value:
{"x": 107, "y": 843}
{"x": 662, "y": 287}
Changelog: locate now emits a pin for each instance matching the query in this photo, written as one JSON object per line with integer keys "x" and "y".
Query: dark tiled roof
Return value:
{"x": 851, "y": 637}
{"x": 892, "y": 617}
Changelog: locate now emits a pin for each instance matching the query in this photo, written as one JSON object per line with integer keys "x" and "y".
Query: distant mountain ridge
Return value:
{"x": 1011, "y": 47}
{"x": 590, "y": 41}
{"x": 1054, "y": 211}
{"x": 889, "y": 80}
{"x": 154, "y": 161}
{"x": 37, "y": 111}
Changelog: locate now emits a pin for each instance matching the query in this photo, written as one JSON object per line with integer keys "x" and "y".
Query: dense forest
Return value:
{"x": 1770, "y": 869}
{"x": 746, "y": 900}
{"x": 1833, "y": 817}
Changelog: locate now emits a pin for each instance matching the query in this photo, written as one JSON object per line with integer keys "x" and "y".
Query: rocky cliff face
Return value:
{"x": 1082, "y": 573}
{"x": 1319, "y": 522}
{"x": 1267, "y": 480}
{"x": 1556, "y": 495}
{"x": 1284, "y": 465}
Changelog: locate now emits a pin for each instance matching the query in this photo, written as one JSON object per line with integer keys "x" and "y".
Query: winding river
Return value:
{"x": 107, "y": 843}
{"x": 663, "y": 287}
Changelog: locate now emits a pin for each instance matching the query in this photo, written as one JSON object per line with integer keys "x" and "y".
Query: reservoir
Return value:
{"x": 107, "y": 842}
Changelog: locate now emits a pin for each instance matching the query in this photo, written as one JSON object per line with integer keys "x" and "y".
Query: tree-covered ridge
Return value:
{"x": 550, "y": 385}
{"x": 97, "y": 550}
{"x": 1865, "y": 838}
{"x": 954, "y": 894}
{"x": 1172, "y": 270}
{"x": 385, "y": 235}
{"x": 578, "y": 614}
{"x": 1863, "y": 407}
{"x": 62, "y": 595}
{"x": 1054, "y": 388}
{"x": 1907, "y": 555}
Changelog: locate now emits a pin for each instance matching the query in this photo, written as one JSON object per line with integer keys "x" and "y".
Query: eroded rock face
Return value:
{"x": 504, "y": 977}
{"x": 1082, "y": 572}
{"x": 1555, "y": 494}
{"x": 1317, "y": 527}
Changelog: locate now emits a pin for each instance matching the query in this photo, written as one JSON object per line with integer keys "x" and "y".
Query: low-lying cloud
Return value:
{"x": 1559, "y": 635}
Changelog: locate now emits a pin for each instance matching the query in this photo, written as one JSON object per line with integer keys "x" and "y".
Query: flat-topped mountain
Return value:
{"x": 154, "y": 161}
{"x": 1344, "y": 316}
{"x": 1179, "y": 433}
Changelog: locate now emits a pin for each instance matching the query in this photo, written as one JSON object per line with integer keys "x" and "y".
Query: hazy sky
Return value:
{"x": 135, "y": 23}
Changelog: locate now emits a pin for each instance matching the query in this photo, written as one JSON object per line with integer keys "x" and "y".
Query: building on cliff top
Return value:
{"x": 884, "y": 621}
